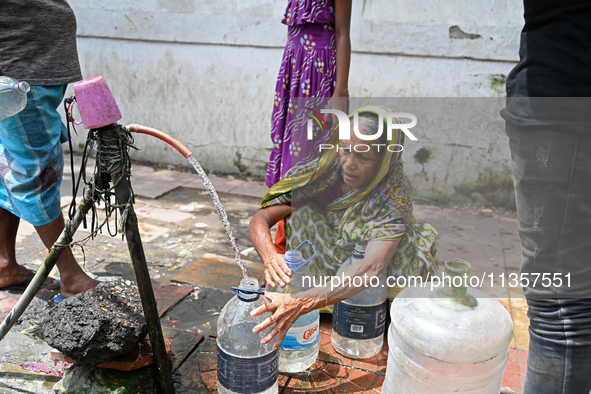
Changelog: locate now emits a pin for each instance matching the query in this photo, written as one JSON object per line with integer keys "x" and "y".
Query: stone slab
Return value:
{"x": 18, "y": 348}
{"x": 250, "y": 189}
{"x": 180, "y": 178}
{"x": 164, "y": 215}
{"x": 187, "y": 378}
{"x": 217, "y": 271}
{"x": 14, "y": 379}
{"x": 199, "y": 311}
{"x": 149, "y": 232}
{"x": 20, "y": 359}
{"x": 167, "y": 296}
{"x": 156, "y": 183}
{"x": 138, "y": 171}
{"x": 152, "y": 188}
{"x": 221, "y": 185}
{"x": 232, "y": 186}
{"x": 182, "y": 344}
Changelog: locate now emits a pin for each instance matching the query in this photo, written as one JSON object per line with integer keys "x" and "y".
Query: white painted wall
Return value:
{"x": 204, "y": 70}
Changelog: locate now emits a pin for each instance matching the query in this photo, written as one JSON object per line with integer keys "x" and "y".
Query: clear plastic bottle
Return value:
{"x": 301, "y": 345}
{"x": 447, "y": 339}
{"x": 359, "y": 323}
{"x": 244, "y": 365}
{"x": 13, "y": 97}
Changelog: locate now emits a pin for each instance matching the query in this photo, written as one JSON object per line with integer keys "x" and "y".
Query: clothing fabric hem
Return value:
{"x": 51, "y": 82}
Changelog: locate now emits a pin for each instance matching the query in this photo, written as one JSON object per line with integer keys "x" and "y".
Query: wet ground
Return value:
{"x": 180, "y": 230}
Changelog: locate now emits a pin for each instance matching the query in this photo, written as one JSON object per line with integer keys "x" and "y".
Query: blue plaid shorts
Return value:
{"x": 31, "y": 157}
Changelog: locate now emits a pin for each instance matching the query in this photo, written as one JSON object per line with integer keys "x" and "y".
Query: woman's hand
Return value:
{"x": 276, "y": 270}
{"x": 260, "y": 234}
{"x": 285, "y": 311}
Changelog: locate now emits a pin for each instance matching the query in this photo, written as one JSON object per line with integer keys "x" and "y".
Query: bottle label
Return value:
{"x": 301, "y": 337}
{"x": 359, "y": 322}
{"x": 247, "y": 375}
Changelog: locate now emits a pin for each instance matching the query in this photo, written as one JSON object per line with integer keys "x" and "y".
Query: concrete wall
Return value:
{"x": 204, "y": 70}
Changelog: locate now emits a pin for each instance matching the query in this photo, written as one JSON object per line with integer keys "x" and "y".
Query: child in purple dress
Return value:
{"x": 315, "y": 64}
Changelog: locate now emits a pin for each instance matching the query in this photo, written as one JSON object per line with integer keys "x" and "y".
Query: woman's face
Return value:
{"x": 359, "y": 167}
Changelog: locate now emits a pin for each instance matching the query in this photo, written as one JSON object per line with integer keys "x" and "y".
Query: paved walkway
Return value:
{"x": 179, "y": 226}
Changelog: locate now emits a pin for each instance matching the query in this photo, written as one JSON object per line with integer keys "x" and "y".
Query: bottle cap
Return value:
{"x": 359, "y": 250}
{"x": 249, "y": 290}
{"x": 294, "y": 260}
{"x": 24, "y": 87}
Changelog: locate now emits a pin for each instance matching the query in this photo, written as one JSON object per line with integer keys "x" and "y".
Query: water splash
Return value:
{"x": 220, "y": 208}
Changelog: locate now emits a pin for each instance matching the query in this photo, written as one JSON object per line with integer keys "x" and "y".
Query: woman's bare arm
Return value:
{"x": 343, "y": 49}
{"x": 343, "y": 45}
{"x": 260, "y": 234}
{"x": 286, "y": 309}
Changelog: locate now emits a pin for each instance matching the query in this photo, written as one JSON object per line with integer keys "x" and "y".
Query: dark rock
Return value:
{"x": 98, "y": 325}
{"x": 31, "y": 320}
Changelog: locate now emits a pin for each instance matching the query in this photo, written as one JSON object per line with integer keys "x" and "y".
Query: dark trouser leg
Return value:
{"x": 559, "y": 358}
{"x": 552, "y": 172}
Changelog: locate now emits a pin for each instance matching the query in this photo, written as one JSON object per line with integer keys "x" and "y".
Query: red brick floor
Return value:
{"x": 335, "y": 374}
{"x": 515, "y": 371}
{"x": 6, "y": 304}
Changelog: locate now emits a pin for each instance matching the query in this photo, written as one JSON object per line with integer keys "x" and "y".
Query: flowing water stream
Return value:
{"x": 220, "y": 208}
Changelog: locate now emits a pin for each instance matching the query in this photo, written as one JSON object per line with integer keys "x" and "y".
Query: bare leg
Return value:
{"x": 74, "y": 279}
{"x": 10, "y": 271}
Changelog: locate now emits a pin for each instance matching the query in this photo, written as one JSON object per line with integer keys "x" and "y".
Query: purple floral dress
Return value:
{"x": 308, "y": 69}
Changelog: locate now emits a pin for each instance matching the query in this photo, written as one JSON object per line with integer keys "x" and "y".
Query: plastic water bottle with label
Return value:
{"x": 359, "y": 323}
{"x": 300, "y": 347}
{"x": 13, "y": 96}
{"x": 244, "y": 365}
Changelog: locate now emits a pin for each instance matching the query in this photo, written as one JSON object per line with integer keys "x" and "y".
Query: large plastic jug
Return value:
{"x": 13, "y": 96}
{"x": 449, "y": 339}
{"x": 300, "y": 347}
{"x": 359, "y": 323}
{"x": 244, "y": 365}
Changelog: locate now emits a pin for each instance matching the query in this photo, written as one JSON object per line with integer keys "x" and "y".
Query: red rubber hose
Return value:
{"x": 136, "y": 128}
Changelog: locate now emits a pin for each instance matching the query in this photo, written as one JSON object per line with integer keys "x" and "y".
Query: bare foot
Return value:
{"x": 11, "y": 273}
{"x": 77, "y": 284}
